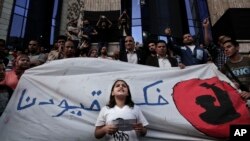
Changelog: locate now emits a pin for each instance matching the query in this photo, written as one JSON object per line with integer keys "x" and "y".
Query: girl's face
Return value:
{"x": 120, "y": 89}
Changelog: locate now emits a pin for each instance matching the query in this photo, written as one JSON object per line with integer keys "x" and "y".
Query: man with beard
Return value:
{"x": 151, "y": 48}
{"x": 36, "y": 57}
{"x": 69, "y": 49}
{"x": 104, "y": 53}
{"x": 190, "y": 53}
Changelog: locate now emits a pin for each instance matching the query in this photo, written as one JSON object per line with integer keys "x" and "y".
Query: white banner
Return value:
{"x": 60, "y": 101}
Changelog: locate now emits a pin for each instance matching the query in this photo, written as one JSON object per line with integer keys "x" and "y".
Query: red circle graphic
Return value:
{"x": 210, "y": 105}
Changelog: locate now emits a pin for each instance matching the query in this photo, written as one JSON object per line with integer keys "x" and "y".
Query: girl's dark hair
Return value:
{"x": 128, "y": 101}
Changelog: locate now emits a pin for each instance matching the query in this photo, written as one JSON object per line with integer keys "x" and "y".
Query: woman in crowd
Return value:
{"x": 11, "y": 78}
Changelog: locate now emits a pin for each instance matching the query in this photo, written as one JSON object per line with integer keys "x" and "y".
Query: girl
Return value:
{"x": 120, "y": 119}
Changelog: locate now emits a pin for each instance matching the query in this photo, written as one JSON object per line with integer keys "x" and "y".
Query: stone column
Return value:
{"x": 5, "y": 14}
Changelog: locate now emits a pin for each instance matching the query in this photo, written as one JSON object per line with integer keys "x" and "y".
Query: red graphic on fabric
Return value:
{"x": 210, "y": 105}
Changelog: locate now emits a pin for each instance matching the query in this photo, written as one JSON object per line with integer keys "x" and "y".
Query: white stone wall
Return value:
{"x": 244, "y": 46}
{"x": 5, "y": 14}
{"x": 102, "y": 5}
{"x": 112, "y": 47}
{"x": 216, "y": 10}
{"x": 64, "y": 17}
{"x": 84, "y": 5}
{"x": 218, "y": 7}
{"x": 89, "y": 5}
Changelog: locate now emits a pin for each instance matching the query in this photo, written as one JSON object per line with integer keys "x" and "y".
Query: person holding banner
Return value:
{"x": 237, "y": 67}
{"x": 120, "y": 119}
{"x": 163, "y": 58}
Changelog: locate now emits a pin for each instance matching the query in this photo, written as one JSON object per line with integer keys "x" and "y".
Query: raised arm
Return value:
{"x": 109, "y": 23}
{"x": 170, "y": 39}
{"x": 98, "y": 22}
{"x": 207, "y": 35}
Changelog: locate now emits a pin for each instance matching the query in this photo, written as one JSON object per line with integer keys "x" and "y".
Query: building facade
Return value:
{"x": 21, "y": 20}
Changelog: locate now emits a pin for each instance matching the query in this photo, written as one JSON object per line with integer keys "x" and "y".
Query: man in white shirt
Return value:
{"x": 162, "y": 58}
{"x": 130, "y": 54}
{"x": 190, "y": 53}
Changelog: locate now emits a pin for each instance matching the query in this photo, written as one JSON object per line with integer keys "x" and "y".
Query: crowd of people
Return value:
{"x": 77, "y": 43}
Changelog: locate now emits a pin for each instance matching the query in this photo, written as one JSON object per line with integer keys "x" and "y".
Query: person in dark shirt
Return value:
{"x": 3, "y": 55}
{"x": 103, "y": 28}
